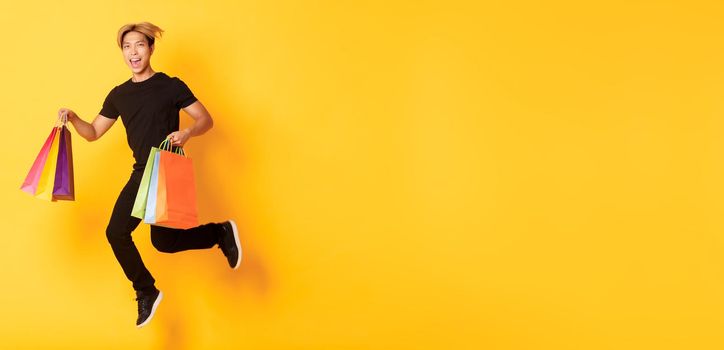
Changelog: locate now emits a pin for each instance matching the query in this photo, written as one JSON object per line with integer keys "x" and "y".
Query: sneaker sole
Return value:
{"x": 238, "y": 244}
{"x": 153, "y": 310}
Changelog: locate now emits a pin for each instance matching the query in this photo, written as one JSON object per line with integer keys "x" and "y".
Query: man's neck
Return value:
{"x": 137, "y": 78}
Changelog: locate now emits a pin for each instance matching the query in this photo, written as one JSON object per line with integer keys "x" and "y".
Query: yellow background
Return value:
{"x": 406, "y": 175}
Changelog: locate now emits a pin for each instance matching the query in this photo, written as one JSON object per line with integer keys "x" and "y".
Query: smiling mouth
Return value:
{"x": 135, "y": 62}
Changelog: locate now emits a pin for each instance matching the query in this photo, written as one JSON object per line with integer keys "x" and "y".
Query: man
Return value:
{"x": 148, "y": 104}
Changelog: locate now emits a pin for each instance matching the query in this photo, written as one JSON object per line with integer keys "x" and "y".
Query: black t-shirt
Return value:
{"x": 149, "y": 111}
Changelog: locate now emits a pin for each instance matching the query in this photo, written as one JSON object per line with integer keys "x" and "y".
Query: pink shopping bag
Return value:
{"x": 30, "y": 185}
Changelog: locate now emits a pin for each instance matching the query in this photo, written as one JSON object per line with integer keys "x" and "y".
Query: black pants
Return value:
{"x": 167, "y": 240}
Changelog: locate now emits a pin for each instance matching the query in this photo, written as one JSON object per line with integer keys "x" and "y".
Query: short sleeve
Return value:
{"x": 184, "y": 96}
{"x": 109, "y": 110}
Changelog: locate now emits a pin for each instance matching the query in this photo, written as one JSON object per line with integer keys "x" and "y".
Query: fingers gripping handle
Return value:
{"x": 62, "y": 120}
{"x": 166, "y": 146}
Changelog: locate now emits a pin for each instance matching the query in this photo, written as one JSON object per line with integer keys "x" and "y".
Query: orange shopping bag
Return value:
{"x": 176, "y": 193}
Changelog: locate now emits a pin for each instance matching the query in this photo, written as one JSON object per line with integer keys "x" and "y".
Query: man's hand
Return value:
{"x": 89, "y": 131}
{"x": 179, "y": 138}
{"x": 67, "y": 113}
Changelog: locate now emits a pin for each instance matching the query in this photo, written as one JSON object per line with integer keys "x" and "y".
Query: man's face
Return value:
{"x": 136, "y": 51}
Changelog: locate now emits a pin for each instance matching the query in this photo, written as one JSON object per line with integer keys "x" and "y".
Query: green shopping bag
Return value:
{"x": 152, "y": 199}
{"x": 139, "y": 206}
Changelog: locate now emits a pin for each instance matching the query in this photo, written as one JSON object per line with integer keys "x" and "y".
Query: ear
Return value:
{"x": 153, "y": 48}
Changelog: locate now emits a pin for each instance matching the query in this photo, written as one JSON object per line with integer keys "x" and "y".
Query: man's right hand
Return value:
{"x": 89, "y": 131}
{"x": 68, "y": 113}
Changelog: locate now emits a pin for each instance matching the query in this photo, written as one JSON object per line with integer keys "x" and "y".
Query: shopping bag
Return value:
{"x": 139, "y": 206}
{"x": 150, "y": 215}
{"x": 47, "y": 177}
{"x": 64, "y": 186}
{"x": 30, "y": 185}
{"x": 176, "y": 194}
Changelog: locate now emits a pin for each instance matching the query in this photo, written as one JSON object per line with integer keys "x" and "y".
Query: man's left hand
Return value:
{"x": 179, "y": 138}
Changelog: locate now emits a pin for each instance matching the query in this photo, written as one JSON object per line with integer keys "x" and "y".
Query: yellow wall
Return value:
{"x": 407, "y": 175}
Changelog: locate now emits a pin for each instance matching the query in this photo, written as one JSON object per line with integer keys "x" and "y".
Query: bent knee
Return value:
{"x": 115, "y": 235}
{"x": 162, "y": 245}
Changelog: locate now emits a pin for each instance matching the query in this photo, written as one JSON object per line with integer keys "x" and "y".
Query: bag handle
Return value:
{"x": 167, "y": 146}
{"x": 62, "y": 120}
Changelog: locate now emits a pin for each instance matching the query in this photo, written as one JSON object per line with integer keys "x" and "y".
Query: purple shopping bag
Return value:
{"x": 64, "y": 187}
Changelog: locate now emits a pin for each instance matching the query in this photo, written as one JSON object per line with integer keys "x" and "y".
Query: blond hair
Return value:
{"x": 150, "y": 30}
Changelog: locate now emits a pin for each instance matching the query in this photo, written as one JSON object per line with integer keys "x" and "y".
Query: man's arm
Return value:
{"x": 202, "y": 123}
{"x": 89, "y": 131}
